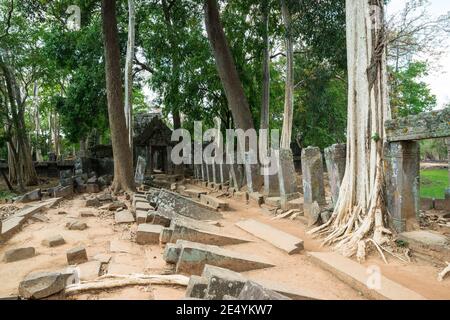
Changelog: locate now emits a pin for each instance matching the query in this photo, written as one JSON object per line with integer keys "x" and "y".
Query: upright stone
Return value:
{"x": 286, "y": 176}
{"x": 312, "y": 168}
{"x": 140, "y": 170}
{"x": 402, "y": 167}
{"x": 252, "y": 173}
{"x": 335, "y": 158}
{"x": 217, "y": 174}
{"x": 271, "y": 182}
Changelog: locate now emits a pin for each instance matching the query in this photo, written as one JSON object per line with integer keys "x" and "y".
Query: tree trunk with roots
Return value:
{"x": 359, "y": 216}
{"x": 123, "y": 164}
{"x": 226, "y": 68}
{"x": 286, "y": 133}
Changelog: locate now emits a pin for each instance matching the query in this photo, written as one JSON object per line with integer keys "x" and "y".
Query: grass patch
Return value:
{"x": 433, "y": 183}
{"x": 6, "y": 195}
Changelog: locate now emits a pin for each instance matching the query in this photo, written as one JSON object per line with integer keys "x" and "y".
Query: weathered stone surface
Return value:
{"x": 123, "y": 217}
{"x": 19, "y": 254}
{"x": 214, "y": 202}
{"x": 156, "y": 217}
{"x": 92, "y": 188}
{"x": 76, "y": 255}
{"x": 141, "y": 216}
{"x": 53, "y": 241}
{"x": 313, "y": 188}
{"x": 94, "y": 202}
{"x": 89, "y": 270}
{"x": 171, "y": 253}
{"x": 196, "y": 287}
{"x": 357, "y": 277}
{"x": 41, "y": 285}
{"x": 428, "y": 245}
{"x": 102, "y": 257}
{"x": 148, "y": 233}
{"x": 335, "y": 158}
{"x": 255, "y": 291}
{"x": 193, "y": 257}
{"x": 222, "y": 282}
{"x": 426, "y": 125}
{"x": 286, "y": 176}
{"x": 278, "y": 238}
{"x": 195, "y": 193}
{"x": 401, "y": 167}
{"x": 63, "y": 192}
{"x": 273, "y": 202}
{"x": 255, "y": 198}
{"x": 76, "y": 225}
{"x": 182, "y": 229}
{"x": 237, "y": 175}
{"x": 31, "y": 196}
{"x": 87, "y": 214}
{"x": 253, "y": 176}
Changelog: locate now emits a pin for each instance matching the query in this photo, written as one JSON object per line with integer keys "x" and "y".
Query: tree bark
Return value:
{"x": 129, "y": 73}
{"x": 226, "y": 68}
{"x": 265, "y": 101}
{"x": 37, "y": 122}
{"x": 123, "y": 163}
{"x": 359, "y": 212}
{"x": 286, "y": 133}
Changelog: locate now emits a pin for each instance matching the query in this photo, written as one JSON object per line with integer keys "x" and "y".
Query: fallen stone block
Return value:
{"x": 171, "y": 253}
{"x": 42, "y": 284}
{"x": 115, "y": 206}
{"x": 87, "y": 214}
{"x": 141, "y": 216}
{"x": 255, "y": 291}
{"x": 278, "y": 238}
{"x": 105, "y": 197}
{"x": 92, "y": 188}
{"x": 148, "y": 233}
{"x": 31, "y": 196}
{"x": 196, "y": 287}
{"x": 241, "y": 196}
{"x": 213, "y": 202}
{"x": 289, "y": 290}
{"x": 356, "y": 276}
{"x": 76, "y": 225}
{"x": 143, "y": 206}
{"x": 19, "y": 254}
{"x": 94, "y": 202}
{"x": 182, "y": 229}
{"x": 256, "y": 198}
{"x": 123, "y": 217}
{"x": 76, "y": 255}
{"x": 102, "y": 258}
{"x": 156, "y": 217}
{"x": 89, "y": 270}
{"x": 194, "y": 193}
{"x": 53, "y": 241}
{"x": 63, "y": 192}
{"x": 273, "y": 202}
{"x": 40, "y": 217}
{"x": 193, "y": 257}
{"x": 222, "y": 282}
{"x": 428, "y": 245}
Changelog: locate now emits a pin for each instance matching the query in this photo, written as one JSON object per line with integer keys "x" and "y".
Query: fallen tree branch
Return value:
{"x": 115, "y": 281}
{"x": 444, "y": 272}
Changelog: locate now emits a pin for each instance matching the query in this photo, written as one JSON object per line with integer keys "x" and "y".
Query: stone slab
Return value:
{"x": 214, "y": 202}
{"x": 19, "y": 254}
{"x": 148, "y": 233}
{"x": 123, "y": 217}
{"x": 89, "y": 270}
{"x": 357, "y": 277}
{"x": 277, "y": 238}
{"x": 255, "y": 291}
{"x": 76, "y": 255}
{"x": 53, "y": 241}
{"x": 193, "y": 257}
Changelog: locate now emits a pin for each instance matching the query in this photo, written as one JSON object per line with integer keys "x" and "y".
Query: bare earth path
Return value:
{"x": 104, "y": 237}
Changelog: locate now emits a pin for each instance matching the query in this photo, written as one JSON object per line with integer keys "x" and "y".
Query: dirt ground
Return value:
{"x": 104, "y": 237}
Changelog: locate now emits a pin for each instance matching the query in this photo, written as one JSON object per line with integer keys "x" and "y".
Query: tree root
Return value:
{"x": 444, "y": 272}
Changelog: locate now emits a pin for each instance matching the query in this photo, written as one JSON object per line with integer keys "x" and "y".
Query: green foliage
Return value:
{"x": 433, "y": 183}
{"x": 409, "y": 94}
{"x": 433, "y": 149}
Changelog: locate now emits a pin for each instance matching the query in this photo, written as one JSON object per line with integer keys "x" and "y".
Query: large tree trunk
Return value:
{"x": 23, "y": 172}
{"x": 129, "y": 73}
{"x": 37, "y": 122}
{"x": 359, "y": 213}
{"x": 265, "y": 101}
{"x": 123, "y": 162}
{"x": 286, "y": 133}
{"x": 226, "y": 67}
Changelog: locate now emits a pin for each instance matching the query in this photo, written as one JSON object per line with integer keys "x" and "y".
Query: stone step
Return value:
{"x": 194, "y": 193}
{"x": 148, "y": 233}
{"x": 214, "y": 202}
{"x": 123, "y": 217}
{"x": 191, "y": 258}
{"x": 183, "y": 229}
{"x": 357, "y": 276}
{"x": 278, "y": 238}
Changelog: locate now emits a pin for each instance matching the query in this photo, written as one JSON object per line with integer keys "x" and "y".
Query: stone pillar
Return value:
{"x": 217, "y": 175}
{"x": 252, "y": 174}
{"x": 271, "y": 182}
{"x": 447, "y": 191}
{"x": 402, "y": 178}
{"x": 286, "y": 176}
{"x": 335, "y": 158}
{"x": 312, "y": 169}
{"x": 204, "y": 173}
{"x": 209, "y": 169}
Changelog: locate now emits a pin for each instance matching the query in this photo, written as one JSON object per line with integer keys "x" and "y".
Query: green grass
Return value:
{"x": 433, "y": 183}
{"x": 6, "y": 195}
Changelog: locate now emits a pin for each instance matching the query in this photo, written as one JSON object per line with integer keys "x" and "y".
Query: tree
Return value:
{"x": 286, "y": 133}
{"x": 123, "y": 163}
{"x": 265, "y": 101}
{"x": 226, "y": 68}
{"x": 129, "y": 72}
{"x": 359, "y": 212}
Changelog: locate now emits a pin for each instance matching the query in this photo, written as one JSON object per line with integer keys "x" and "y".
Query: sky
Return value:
{"x": 439, "y": 80}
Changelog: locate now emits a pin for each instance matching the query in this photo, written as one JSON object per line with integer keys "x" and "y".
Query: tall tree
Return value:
{"x": 286, "y": 133}
{"x": 265, "y": 102}
{"x": 226, "y": 68}
{"x": 123, "y": 163}
{"x": 359, "y": 211}
{"x": 129, "y": 72}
